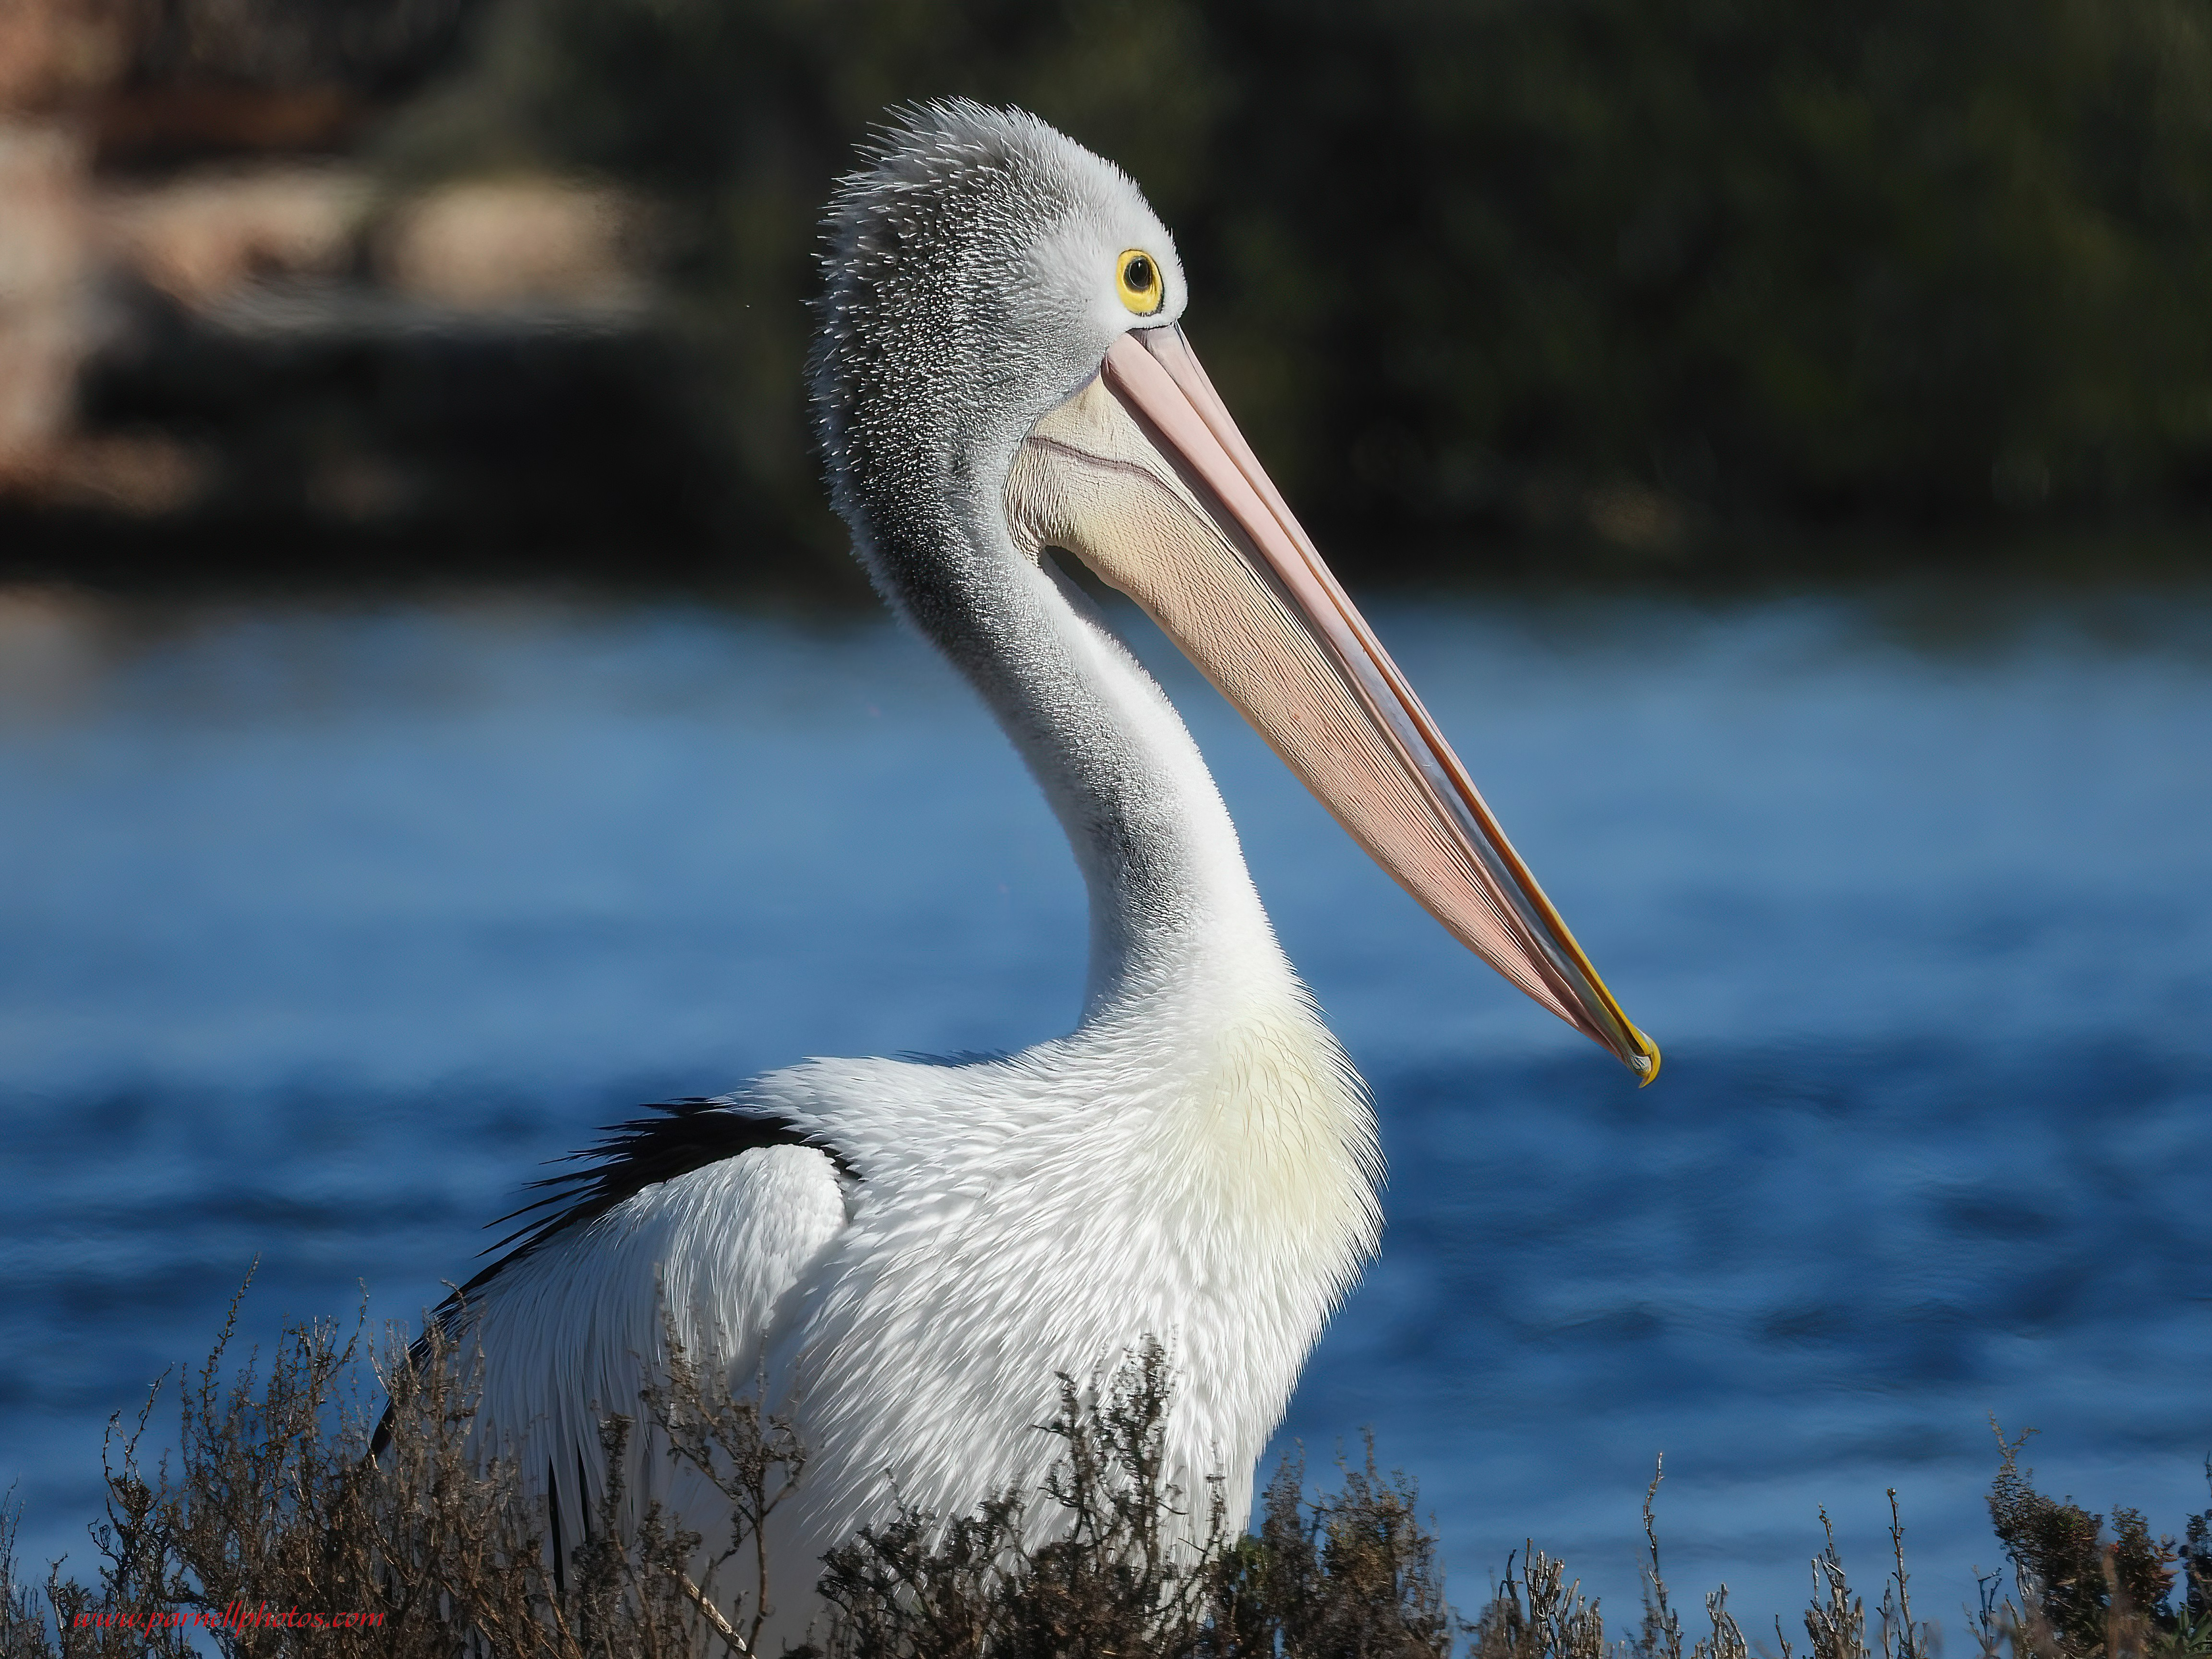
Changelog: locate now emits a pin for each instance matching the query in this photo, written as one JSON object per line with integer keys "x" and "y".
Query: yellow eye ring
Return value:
{"x": 1142, "y": 290}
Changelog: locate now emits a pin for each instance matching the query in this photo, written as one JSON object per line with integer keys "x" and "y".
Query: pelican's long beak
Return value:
{"x": 1143, "y": 475}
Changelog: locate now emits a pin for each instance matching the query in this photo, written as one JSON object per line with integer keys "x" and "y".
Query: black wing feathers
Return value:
{"x": 687, "y": 1135}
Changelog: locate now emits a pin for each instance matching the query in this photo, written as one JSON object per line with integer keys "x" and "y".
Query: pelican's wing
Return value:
{"x": 710, "y": 1211}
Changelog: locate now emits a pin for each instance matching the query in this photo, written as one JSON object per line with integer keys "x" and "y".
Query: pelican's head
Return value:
{"x": 978, "y": 272}
{"x": 1000, "y": 344}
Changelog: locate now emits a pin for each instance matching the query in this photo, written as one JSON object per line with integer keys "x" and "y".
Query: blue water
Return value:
{"x": 321, "y": 926}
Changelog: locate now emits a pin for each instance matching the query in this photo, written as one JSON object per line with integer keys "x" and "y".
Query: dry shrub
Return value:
{"x": 288, "y": 1492}
{"x": 23, "y": 1619}
{"x": 1350, "y": 1575}
{"x": 1112, "y": 1575}
{"x": 1537, "y": 1613}
{"x": 1555, "y": 1621}
{"x": 750, "y": 1456}
{"x": 277, "y": 1501}
{"x": 2079, "y": 1593}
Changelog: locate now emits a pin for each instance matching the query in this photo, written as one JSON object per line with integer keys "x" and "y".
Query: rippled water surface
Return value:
{"x": 321, "y": 926}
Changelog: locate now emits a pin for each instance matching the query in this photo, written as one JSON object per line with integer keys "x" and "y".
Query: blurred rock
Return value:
{"x": 486, "y": 244}
{"x": 54, "y": 51}
{"x": 202, "y": 236}
{"x": 43, "y": 260}
{"x": 224, "y": 346}
{"x": 135, "y": 475}
{"x": 155, "y": 127}
{"x": 200, "y": 79}
{"x": 375, "y": 49}
{"x": 1637, "y": 520}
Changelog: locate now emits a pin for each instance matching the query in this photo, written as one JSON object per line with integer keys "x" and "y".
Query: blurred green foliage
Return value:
{"x": 1629, "y": 271}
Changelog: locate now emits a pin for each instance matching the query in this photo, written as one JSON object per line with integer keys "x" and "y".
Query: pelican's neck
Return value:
{"x": 1174, "y": 914}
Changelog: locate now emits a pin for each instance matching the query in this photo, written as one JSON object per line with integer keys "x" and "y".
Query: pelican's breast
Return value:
{"x": 1216, "y": 1193}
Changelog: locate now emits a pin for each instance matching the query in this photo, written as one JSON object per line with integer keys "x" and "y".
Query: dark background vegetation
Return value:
{"x": 1494, "y": 284}
{"x": 1472, "y": 269}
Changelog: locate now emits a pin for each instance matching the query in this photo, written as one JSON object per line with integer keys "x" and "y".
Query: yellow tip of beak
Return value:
{"x": 1649, "y": 1050}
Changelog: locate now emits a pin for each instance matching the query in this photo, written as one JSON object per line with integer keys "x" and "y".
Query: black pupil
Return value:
{"x": 1139, "y": 274}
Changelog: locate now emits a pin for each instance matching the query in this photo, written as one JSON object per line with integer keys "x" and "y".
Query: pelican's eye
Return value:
{"x": 1142, "y": 291}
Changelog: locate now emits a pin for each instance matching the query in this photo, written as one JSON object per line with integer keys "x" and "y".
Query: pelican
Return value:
{"x": 906, "y": 1254}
